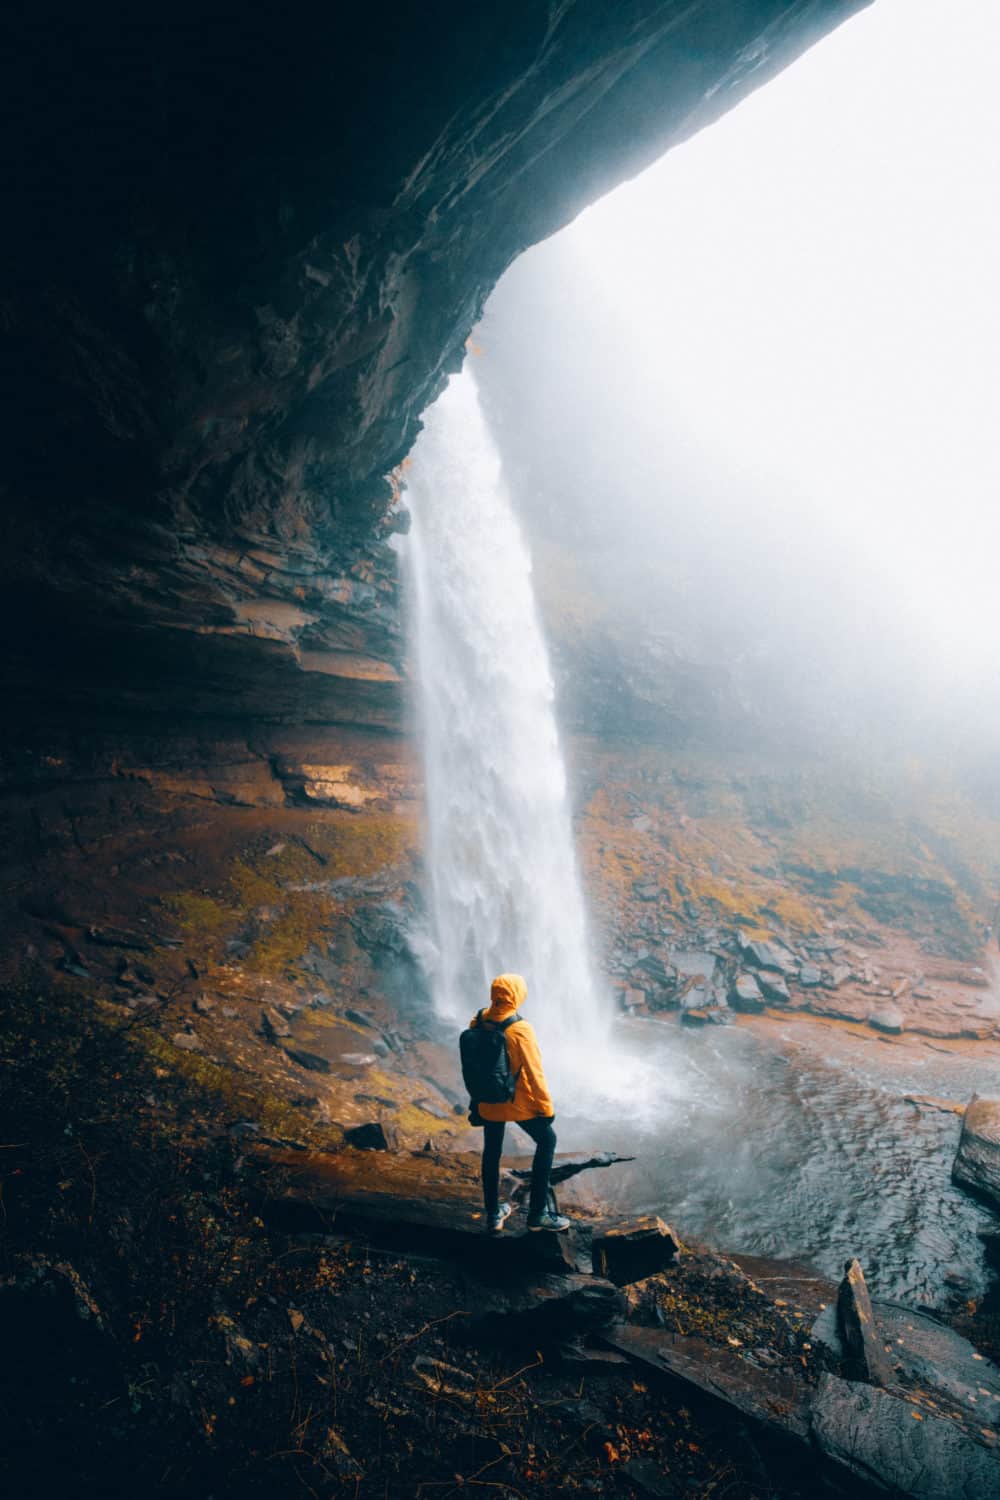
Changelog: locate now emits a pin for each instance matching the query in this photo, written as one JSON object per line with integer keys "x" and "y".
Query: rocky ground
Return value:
{"x": 170, "y": 1339}
{"x": 210, "y": 957}
{"x": 177, "y": 1330}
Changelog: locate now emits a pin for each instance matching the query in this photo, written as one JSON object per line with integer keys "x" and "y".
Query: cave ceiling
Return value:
{"x": 244, "y": 248}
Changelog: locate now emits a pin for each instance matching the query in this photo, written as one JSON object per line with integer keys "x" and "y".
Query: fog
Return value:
{"x": 747, "y": 402}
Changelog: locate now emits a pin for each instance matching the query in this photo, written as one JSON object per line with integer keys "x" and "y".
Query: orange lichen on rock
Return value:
{"x": 778, "y": 851}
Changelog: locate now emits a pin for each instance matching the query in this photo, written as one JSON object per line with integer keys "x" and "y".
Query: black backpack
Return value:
{"x": 485, "y": 1064}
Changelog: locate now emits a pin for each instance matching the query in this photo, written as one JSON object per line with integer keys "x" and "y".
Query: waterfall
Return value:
{"x": 503, "y": 882}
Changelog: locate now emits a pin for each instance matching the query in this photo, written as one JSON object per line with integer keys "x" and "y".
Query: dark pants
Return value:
{"x": 544, "y": 1137}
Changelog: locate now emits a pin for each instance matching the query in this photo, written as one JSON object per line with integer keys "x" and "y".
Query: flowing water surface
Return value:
{"x": 779, "y": 1149}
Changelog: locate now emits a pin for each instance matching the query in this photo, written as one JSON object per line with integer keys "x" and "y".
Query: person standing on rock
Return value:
{"x": 502, "y": 1067}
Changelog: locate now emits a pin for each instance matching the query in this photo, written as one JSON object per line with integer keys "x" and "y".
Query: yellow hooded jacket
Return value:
{"x": 532, "y": 1097}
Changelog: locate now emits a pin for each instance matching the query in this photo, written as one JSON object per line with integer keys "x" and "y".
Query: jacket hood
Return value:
{"x": 507, "y": 992}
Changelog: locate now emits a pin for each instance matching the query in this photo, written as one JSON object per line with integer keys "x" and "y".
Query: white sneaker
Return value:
{"x": 554, "y": 1222}
{"x": 496, "y": 1221}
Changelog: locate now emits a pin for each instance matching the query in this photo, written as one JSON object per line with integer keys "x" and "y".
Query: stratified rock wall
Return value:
{"x": 244, "y": 248}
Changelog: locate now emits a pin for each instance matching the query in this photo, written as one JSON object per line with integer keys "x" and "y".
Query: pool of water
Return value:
{"x": 808, "y": 1152}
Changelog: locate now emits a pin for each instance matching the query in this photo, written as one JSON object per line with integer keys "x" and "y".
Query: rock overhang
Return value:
{"x": 246, "y": 255}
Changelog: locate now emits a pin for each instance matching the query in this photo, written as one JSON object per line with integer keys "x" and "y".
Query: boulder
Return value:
{"x": 842, "y": 1005}
{"x": 864, "y": 1353}
{"x": 695, "y": 964}
{"x": 767, "y": 955}
{"x": 700, "y": 1015}
{"x": 632, "y": 1251}
{"x": 810, "y": 976}
{"x": 632, "y": 999}
{"x": 698, "y": 996}
{"x": 645, "y": 1301}
{"x": 628, "y": 963}
{"x": 888, "y": 1018}
{"x": 187, "y": 1041}
{"x": 773, "y": 985}
{"x": 746, "y": 994}
{"x": 368, "y": 1137}
{"x": 311, "y": 1061}
{"x": 544, "y": 1310}
{"x": 977, "y": 1164}
{"x": 882, "y": 1439}
{"x": 273, "y": 1024}
{"x": 657, "y": 970}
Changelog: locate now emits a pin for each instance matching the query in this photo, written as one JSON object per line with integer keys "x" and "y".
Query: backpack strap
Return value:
{"x": 498, "y": 1025}
{"x": 503, "y": 1026}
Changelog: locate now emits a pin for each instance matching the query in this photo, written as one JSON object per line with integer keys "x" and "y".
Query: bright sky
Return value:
{"x": 812, "y": 284}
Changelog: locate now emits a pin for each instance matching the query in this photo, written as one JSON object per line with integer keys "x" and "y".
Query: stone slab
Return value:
{"x": 864, "y": 1352}
{"x": 407, "y": 1200}
{"x": 769, "y": 1398}
{"x": 885, "y": 1440}
{"x": 634, "y": 1249}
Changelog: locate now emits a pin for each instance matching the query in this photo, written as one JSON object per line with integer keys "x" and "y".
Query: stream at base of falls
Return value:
{"x": 806, "y": 1152}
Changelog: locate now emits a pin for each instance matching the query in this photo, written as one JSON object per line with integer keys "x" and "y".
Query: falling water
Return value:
{"x": 504, "y": 887}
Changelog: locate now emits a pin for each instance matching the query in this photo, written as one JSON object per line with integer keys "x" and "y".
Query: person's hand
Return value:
{"x": 475, "y": 1118}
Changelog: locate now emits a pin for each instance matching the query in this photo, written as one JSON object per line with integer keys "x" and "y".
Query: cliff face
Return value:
{"x": 243, "y": 253}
